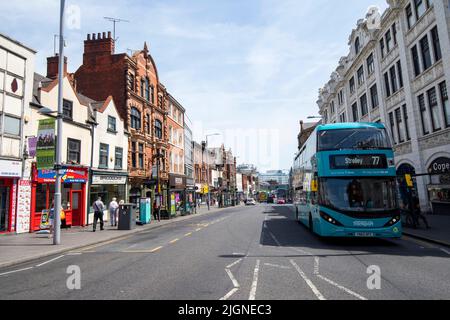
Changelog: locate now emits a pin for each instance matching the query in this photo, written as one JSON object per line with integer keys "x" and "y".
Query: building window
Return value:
{"x": 112, "y": 124}
{"x": 73, "y": 150}
{"x": 67, "y": 109}
{"x": 398, "y": 120}
{"x": 158, "y": 129}
{"x": 394, "y": 32}
{"x": 445, "y": 102}
{"x": 133, "y": 155}
{"x": 141, "y": 156}
{"x": 434, "y": 109}
{"x": 406, "y": 119}
{"x": 392, "y": 126}
{"x": 357, "y": 46}
{"x": 147, "y": 89}
{"x": 400, "y": 73}
{"x": 382, "y": 48}
{"x": 11, "y": 125}
{"x": 355, "y": 112}
{"x": 423, "y": 114}
{"x": 388, "y": 41}
{"x": 135, "y": 119}
{"x": 436, "y": 44}
{"x": 416, "y": 63}
{"x": 360, "y": 76}
{"x": 420, "y": 8}
{"x": 342, "y": 118}
{"x": 374, "y": 96}
{"x": 104, "y": 155}
{"x": 363, "y": 103}
{"x": 394, "y": 84}
{"x": 409, "y": 16}
{"x": 152, "y": 94}
{"x": 118, "y": 159}
{"x": 386, "y": 85}
{"x": 332, "y": 107}
{"x": 341, "y": 97}
{"x": 147, "y": 124}
{"x": 426, "y": 55}
{"x": 131, "y": 81}
{"x": 370, "y": 64}
{"x": 142, "y": 88}
{"x": 352, "y": 85}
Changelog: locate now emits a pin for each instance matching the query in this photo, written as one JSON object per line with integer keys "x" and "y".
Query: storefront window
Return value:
{"x": 41, "y": 197}
{"x": 106, "y": 192}
{"x": 65, "y": 196}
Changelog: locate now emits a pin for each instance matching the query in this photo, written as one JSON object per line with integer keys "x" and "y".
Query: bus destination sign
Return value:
{"x": 358, "y": 161}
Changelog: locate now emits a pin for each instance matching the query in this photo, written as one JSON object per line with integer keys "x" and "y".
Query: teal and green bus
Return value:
{"x": 344, "y": 182}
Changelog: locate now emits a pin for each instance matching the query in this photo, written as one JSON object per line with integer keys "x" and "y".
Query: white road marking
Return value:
{"x": 233, "y": 279}
{"x": 44, "y": 263}
{"x": 308, "y": 281}
{"x": 234, "y": 263}
{"x": 252, "y": 295}
{"x": 446, "y": 251}
{"x": 316, "y": 265}
{"x": 198, "y": 229}
{"x": 156, "y": 249}
{"x": 342, "y": 287}
{"x": 74, "y": 253}
{"x": 229, "y": 294}
{"x": 9, "y": 272}
{"x": 276, "y": 266}
{"x": 173, "y": 241}
{"x": 188, "y": 234}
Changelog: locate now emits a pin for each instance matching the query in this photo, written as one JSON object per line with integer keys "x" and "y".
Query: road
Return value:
{"x": 237, "y": 254}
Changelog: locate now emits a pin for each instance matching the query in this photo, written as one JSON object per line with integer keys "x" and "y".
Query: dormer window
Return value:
{"x": 357, "y": 46}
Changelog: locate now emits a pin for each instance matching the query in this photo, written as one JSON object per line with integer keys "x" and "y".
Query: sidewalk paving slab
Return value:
{"x": 438, "y": 233}
{"x": 22, "y": 248}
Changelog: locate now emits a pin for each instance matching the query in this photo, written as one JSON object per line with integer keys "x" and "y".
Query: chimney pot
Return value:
{"x": 93, "y": 36}
{"x": 109, "y": 34}
{"x": 89, "y": 37}
{"x": 104, "y": 35}
{"x": 99, "y": 36}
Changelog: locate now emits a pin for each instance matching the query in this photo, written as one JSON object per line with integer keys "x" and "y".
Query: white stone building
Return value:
{"x": 397, "y": 72}
{"x": 16, "y": 86}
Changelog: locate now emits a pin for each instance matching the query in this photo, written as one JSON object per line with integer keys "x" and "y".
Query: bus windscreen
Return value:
{"x": 353, "y": 139}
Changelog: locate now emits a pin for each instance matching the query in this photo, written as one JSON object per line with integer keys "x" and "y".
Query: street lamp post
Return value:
{"x": 58, "y": 206}
{"x": 158, "y": 156}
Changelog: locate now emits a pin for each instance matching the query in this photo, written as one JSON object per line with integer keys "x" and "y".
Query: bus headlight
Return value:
{"x": 393, "y": 221}
{"x": 329, "y": 219}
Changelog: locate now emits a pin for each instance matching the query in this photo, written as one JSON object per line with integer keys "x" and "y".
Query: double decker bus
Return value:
{"x": 344, "y": 182}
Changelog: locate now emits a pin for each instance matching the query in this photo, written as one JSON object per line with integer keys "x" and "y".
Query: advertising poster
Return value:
{"x": 45, "y": 220}
{"x": 172, "y": 204}
{"x": 23, "y": 206}
{"x": 46, "y": 144}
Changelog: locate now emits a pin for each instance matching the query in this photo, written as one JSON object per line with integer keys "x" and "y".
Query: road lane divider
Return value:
{"x": 252, "y": 295}
{"x": 14, "y": 271}
{"x": 51, "y": 260}
{"x": 188, "y": 234}
{"x": 308, "y": 281}
{"x": 174, "y": 241}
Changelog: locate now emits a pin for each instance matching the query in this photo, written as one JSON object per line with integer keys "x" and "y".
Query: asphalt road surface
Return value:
{"x": 240, "y": 253}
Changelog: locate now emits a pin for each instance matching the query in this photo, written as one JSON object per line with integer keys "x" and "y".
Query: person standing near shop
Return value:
{"x": 98, "y": 207}
{"x": 113, "y": 211}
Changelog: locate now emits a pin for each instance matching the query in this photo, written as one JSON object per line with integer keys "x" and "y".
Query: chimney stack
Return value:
{"x": 99, "y": 44}
{"x": 52, "y": 66}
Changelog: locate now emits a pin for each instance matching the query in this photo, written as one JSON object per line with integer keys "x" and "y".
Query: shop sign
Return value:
{"x": 109, "y": 180}
{"x": 11, "y": 169}
{"x": 440, "y": 166}
{"x": 68, "y": 176}
{"x": 46, "y": 144}
{"x": 23, "y": 206}
{"x": 190, "y": 182}
{"x": 177, "y": 182}
{"x": 32, "y": 143}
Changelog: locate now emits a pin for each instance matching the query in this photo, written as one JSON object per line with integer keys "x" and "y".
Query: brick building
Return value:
{"x": 133, "y": 82}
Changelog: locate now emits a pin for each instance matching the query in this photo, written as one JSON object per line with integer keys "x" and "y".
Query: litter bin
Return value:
{"x": 127, "y": 216}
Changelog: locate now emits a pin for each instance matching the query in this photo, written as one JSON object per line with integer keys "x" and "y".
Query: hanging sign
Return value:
{"x": 46, "y": 144}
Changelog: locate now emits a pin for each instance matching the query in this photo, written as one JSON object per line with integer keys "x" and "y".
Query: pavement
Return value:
{"x": 21, "y": 248}
{"x": 241, "y": 253}
{"x": 439, "y": 231}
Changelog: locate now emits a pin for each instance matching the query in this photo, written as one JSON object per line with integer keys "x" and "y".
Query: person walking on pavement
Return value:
{"x": 417, "y": 214}
{"x": 98, "y": 212}
{"x": 113, "y": 211}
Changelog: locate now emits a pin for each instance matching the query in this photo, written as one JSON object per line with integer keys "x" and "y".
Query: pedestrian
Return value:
{"x": 98, "y": 212}
{"x": 113, "y": 211}
{"x": 417, "y": 214}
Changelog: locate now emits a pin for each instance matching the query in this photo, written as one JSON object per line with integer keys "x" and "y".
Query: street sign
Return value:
{"x": 46, "y": 144}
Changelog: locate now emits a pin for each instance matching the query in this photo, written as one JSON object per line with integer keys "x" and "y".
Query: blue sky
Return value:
{"x": 247, "y": 69}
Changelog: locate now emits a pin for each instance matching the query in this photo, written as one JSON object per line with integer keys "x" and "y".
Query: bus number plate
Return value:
{"x": 364, "y": 234}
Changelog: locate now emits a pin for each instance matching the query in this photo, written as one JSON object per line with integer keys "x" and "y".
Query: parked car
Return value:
{"x": 250, "y": 202}
{"x": 281, "y": 201}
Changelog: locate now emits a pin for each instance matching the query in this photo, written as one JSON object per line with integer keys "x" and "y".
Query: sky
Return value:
{"x": 247, "y": 70}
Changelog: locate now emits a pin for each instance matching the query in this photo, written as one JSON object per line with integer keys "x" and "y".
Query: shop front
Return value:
{"x": 176, "y": 195}
{"x": 107, "y": 185}
{"x": 439, "y": 189}
{"x": 10, "y": 172}
{"x": 73, "y": 195}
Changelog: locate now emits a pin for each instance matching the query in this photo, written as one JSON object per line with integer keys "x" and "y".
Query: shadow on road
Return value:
{"x": 281, "y": 224}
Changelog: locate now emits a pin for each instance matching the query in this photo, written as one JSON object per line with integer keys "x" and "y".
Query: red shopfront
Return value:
{"x": 73, "y": 195}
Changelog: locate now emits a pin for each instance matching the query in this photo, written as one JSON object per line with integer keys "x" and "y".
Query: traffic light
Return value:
{"x": 409, "y": 181}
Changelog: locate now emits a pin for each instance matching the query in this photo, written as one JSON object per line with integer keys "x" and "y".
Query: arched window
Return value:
{"x": 357, "y": 45}
{"x": 135, "y": 119}
{"x": 158, "y": 129}
{"x": 147, "y": 89}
